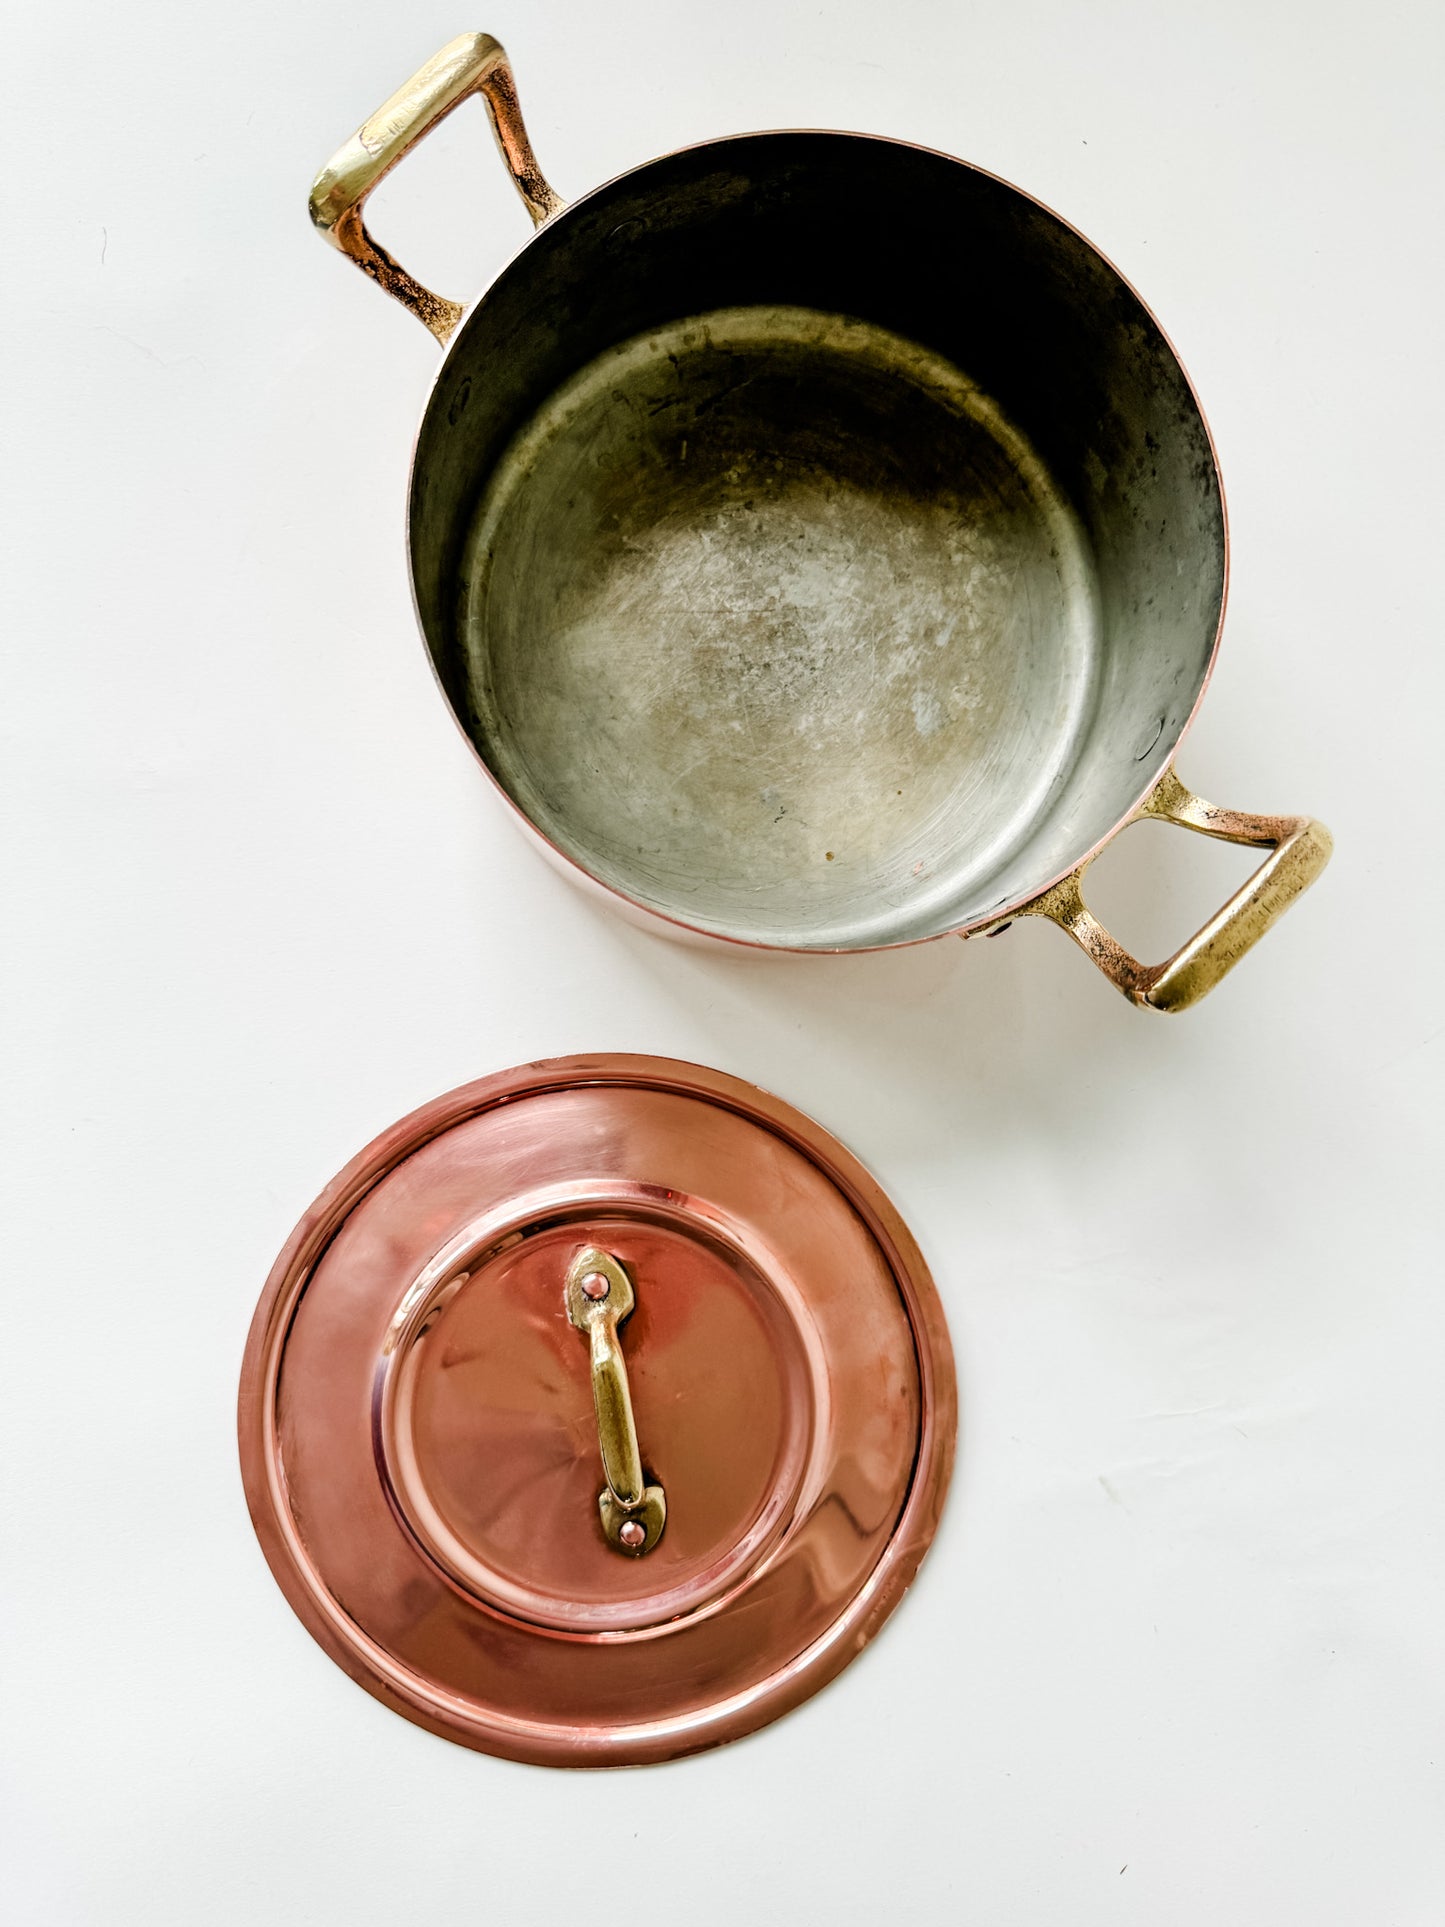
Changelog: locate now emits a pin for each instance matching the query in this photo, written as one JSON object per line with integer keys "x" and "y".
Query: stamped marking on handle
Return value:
{"x": 600, "y": 1297}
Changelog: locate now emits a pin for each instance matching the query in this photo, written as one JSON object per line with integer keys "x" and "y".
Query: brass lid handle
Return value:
{"x": 600, "y": 1297}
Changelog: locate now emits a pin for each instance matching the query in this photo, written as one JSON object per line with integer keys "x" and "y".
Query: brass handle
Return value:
{"x": 600, "y": 1297}
{"x": 474, "y": 64}
{"x": 1300, "y": 849}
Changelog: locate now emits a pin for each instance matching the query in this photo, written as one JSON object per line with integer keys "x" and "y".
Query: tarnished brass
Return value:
{"x": 627, "y": 1503}
{"x": 472, "y": 64}
{"x": 1300, "y": 848}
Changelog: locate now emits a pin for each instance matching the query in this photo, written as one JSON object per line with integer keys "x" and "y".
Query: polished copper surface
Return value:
{"x": 420, "y": 1446}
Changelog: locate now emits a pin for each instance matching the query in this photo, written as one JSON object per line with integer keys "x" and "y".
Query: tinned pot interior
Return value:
{"x": 818, "y": 540}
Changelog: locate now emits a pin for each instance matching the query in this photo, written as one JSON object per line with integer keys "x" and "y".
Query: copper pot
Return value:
{"x": 818, "y": 542}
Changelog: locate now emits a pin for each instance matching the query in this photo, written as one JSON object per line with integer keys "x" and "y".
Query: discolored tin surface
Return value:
{"x": 790, "y": 466}
{"x": 774, "y": 614}
{"x": 420, "y": 1448}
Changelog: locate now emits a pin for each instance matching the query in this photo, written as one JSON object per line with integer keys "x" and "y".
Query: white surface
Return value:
{"x": 1176, "y": 1656}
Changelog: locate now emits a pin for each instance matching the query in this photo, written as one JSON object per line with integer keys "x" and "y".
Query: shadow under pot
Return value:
{"x": 818, "y": 541}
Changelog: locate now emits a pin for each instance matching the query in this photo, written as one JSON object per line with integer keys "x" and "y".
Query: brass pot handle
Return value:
{"x": 1300, "y": 849}
{"x": 600, "y": 1297}
{"x": 473, "y": 64}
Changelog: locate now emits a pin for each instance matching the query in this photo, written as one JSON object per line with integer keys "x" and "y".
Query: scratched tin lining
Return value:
{"x": 817, "y": 593}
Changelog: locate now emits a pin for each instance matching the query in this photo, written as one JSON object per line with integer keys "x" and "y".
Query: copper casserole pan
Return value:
{"x": 818, "y": 541}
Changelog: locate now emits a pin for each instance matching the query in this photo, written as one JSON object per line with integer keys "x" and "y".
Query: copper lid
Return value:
{"x": 597, "y": 1413}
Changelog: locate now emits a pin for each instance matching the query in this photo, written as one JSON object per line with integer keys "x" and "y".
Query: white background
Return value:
{"x": 1176, "y": 1655}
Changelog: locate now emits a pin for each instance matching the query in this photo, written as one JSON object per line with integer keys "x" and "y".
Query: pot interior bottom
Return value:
{"x": 773, "y": 622}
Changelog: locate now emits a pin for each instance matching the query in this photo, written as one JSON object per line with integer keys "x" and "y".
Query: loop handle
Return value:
{"x": 600, "y": 1297}
{"x": 1300, "y": 850}
{"x": 473, "y": 64}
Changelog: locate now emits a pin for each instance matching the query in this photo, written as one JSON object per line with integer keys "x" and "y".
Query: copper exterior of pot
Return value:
{"x": 420, "y": 1428}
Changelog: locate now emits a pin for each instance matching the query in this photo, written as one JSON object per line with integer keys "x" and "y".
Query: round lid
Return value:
{"x": 599, "y": 1412}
